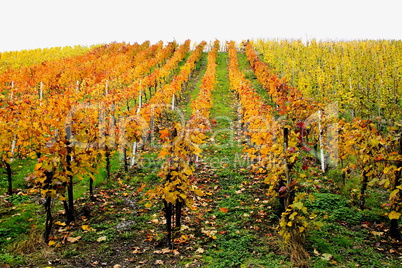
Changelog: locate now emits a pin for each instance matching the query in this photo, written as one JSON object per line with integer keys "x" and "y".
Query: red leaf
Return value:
{"x": 282, "y": 189}
{"x": 305, "y": 166}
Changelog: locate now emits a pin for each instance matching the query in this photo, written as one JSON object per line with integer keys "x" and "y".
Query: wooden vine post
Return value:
{"x": 12, "y": 91}
{"x": 70, "y": 206}
{"x": 107, "y": 87}
{"x": 41, "y": 92}
{"x": 134, "y": 153}
{"x": 48, "y": 206}
{"x": 322, "y": 159}
{"x": 9, "y": 177}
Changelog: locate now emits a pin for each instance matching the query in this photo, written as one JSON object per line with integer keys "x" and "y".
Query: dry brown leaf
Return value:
{"x": 137, "y": 250}
{"x": 73, "y": 239}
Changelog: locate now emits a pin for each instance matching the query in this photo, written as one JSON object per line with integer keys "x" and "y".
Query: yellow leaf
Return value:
{"x": 32, "y": 155}
{"x": 188, "y": 170}
{"x": 199, "y": 192}
{"x": 60, "y": 223}
{"x": 148, "y": 205}
{"x": 374, "y": 142}
{"x": 304, "y": 210}
{"x": 171, "y": 197}
{"x": 86, "y": 227}
{"x": 38, "y": 166}
{"x": 51, "y": 243}
{"x": 298, "y": 205}
{"x": 91, "y": 176}
{"x": 286, "y": 237}
{"x": 393, "y": 194}
{"x": 394, "y": 215}
{"x": 292, "y": 216}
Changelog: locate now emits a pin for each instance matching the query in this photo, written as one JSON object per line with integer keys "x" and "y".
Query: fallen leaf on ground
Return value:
{"x": 326, "y": 256}
{"x": 137, "y": 250}
{"x": 102, "y": 238}
{"x": 224, "y": 210}
{"x": 200, "y": 251}
{"x": 86, "y": 227}
{"x": 73, "y": 239}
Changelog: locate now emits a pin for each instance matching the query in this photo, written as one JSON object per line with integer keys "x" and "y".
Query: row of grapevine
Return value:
{"x": 362, "y": 76}
{"x": 55, "y": 77}
{"x": 362, "y": 146}
{"x": 181, "y": 149}
{"x": 163, "y": 97}
{"x": 141, "y": 121}
{"x": 22, "y": 58}
{"x": 273, "y": 146}
{"x": 73, "y": 136}
{"x": 18, "y": 113}
{"x": 202, "y": 104}
{"x": 358, "y": 145}
{"x": 15, "y": 108}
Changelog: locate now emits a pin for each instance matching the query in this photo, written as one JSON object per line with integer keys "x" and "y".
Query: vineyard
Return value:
{"x": 222, "y": 154}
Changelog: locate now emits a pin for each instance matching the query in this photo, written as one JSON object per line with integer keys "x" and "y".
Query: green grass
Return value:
{"x": 238, "y": 242}
{"x": 20, "y": 169}
{"x": 19, "y": 224}
{"x": 194, "y": 85}
{"x": 347, "y": 246}
{"x": 244, "y": 65}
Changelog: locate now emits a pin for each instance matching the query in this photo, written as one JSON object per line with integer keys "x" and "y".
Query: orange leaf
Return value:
{"x": 164, "y": 133}
{"x": 224, "y": 210}
{"x": 141, "y": 188}
{"x": 163, "y": 153}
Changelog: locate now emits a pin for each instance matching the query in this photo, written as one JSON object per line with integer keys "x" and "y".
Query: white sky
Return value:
{"x": 27, "y": 24}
